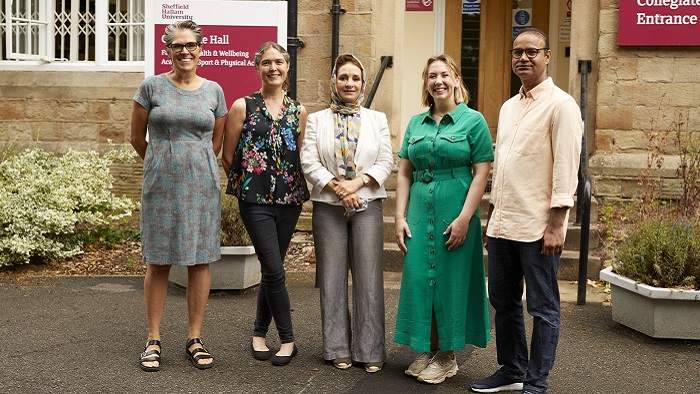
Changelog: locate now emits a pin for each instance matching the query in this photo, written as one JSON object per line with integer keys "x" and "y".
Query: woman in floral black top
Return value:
{"x": 262, "y": 139}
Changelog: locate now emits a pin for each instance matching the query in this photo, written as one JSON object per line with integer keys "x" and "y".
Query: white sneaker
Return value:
{"x": 419, "y": 364}
{"x": 440, "y": 367}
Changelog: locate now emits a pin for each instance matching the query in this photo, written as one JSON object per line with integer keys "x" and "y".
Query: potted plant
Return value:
{"x": 655, "y": 278}
{"x": 239, "y": 268}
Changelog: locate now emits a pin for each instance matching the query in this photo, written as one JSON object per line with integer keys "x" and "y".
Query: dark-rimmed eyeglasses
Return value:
{"x": 530, "y": 52}
{"x": 191, "y": 47}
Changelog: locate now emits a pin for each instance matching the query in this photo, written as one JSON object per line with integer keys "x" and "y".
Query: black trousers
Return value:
{"x": 271, "y": 228}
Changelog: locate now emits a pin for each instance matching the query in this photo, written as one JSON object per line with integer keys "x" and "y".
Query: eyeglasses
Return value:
{"x": 530, "y": 52}
{"x": 191, "y": 47}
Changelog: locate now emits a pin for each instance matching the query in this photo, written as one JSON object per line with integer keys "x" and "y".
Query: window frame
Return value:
{"x": 44, "y": 62}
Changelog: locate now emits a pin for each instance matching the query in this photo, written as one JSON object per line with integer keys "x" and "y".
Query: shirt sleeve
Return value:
{"x": 567, "y": 131}
{"x": 481, "y": 142}
{"x": 314, "y": 170}
{"x": 221, "y": 109}
{"x": 145, "y": 92}
{"x": 403, "y": 153}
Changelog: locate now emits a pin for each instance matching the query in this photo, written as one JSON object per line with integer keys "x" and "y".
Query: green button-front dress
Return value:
{"x": 450, "y": 282}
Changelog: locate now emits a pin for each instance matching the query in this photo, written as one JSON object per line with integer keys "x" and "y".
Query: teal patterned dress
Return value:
{"x": 450, "y": 282}
{"x": 180, "y": 200}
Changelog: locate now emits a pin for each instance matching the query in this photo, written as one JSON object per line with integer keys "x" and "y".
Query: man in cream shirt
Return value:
{"x": 534, "y": 180}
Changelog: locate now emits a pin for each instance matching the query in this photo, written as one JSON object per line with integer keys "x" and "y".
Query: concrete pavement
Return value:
{"x": 84, "y": 334}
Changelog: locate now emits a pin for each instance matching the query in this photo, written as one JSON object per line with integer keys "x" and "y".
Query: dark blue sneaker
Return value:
{"x": 496, "y": 383}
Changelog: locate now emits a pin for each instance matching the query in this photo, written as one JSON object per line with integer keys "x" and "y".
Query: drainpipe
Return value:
{"x": 335, "y": 12}
{"x": 293, "y": 42}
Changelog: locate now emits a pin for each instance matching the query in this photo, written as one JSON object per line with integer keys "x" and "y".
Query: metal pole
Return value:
{"x": 335, "y": 12}
{"x": 583, "y": 209}
{"x": 293, "y": 42}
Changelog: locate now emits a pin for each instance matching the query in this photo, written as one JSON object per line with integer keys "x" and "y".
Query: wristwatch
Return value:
{"x": 365, "y": 180}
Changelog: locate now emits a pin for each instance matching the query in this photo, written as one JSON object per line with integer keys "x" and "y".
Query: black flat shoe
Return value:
{"x": 279, "y": 361}
{"x": 261, "y": 355}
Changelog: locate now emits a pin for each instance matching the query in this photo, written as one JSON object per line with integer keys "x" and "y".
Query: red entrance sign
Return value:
{"x": 419, "y": 5}
{"x": 659, "y": 23}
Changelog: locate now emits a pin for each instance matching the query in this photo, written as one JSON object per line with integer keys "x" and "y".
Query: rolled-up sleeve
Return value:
{"x": 567, "y": 132}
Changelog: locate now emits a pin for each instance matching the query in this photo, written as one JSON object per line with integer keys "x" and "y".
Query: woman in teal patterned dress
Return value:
{"x": 263, "y": 136}
{"x": 444, "y": 165}
{"x": 181, "y": 200}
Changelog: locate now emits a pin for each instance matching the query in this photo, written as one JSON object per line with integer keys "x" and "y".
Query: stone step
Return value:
{"x": 568, "y": 265}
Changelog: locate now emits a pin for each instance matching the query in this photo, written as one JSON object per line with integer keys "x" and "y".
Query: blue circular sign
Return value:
{"x": 522, "y": 17}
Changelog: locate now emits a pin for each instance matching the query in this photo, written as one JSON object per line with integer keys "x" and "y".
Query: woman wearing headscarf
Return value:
{"x": 346, "y": 156}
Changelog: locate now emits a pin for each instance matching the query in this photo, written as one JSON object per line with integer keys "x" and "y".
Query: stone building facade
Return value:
{"x": 633, "y": 91}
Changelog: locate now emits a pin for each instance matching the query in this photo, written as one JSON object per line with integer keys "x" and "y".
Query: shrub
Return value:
{"x": 233, "y": 232}
{"x": 661, "y": 252}
{"x": 45, "y": 198}
{"x": 657, "y": 241}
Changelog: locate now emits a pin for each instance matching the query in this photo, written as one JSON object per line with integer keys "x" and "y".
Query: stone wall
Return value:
{"x": 315, "y": 30}
{"x": 61, "y": 110}
{"x": 641, "y": 92}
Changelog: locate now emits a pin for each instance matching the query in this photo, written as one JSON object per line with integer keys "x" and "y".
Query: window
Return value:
{"x": 105, "y": 34}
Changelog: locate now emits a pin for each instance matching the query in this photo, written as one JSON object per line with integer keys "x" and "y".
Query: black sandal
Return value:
{"x": 199, "y": 353}
{"x": 150, "y": 356}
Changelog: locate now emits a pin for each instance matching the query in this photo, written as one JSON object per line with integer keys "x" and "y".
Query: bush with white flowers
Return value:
{"x": 44, "y": 199}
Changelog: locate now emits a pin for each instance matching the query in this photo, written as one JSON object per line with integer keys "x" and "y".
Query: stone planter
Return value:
{"x": 655, "y": 311}
{"x": 238, "y": 269}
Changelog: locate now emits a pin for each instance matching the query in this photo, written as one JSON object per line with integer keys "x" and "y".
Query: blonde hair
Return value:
{"x": 461, "y": 93}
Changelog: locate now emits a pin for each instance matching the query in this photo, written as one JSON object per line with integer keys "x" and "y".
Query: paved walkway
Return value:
{"x": 83, "y": 335}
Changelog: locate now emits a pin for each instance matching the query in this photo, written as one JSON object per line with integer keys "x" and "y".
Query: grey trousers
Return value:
{"x": 356, "y": 241}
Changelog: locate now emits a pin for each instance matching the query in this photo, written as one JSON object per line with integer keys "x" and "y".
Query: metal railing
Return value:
{"x": 387, "y": 62}
{"x": 583, "y": 199}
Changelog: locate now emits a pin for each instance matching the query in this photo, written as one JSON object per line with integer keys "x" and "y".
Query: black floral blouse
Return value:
{"x": 266, "y": 167}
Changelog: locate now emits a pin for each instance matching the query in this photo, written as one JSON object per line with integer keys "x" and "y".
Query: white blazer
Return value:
{"x": 373, "y": 154}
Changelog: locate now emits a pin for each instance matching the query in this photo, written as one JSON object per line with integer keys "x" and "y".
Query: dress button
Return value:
{"x": 432, "y": 140}
{"x": 432, "y": 265}
{"x": 432, "y": 164}
{"x": 432, "y": 251}
{"x": 430, "y": 206}
{"x": 431, "y": 152}
{"x": 438, "y": 131}
{"x": 430, "y": 191}
{"x": 431, "y": 220}
{"x": 452, "y": 138}
{"x": 431, "y": 236}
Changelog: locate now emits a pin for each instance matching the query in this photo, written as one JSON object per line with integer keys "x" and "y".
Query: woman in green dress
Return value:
{"x": 444, "y": 165}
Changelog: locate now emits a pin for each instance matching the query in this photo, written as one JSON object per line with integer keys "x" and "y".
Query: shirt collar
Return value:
{"x": 538, "y": 90}
{"x": 451, "y": 117}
